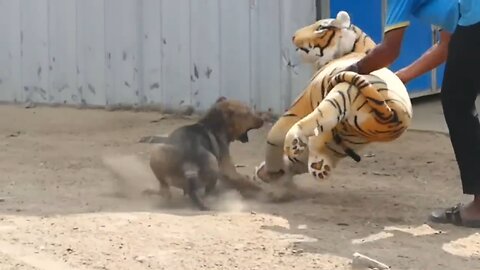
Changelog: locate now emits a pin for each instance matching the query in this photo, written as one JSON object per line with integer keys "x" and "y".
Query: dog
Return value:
{"x": 195, "y": 156}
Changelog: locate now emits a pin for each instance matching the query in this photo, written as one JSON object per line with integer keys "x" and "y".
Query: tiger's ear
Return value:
{"x": 342, "y": 20}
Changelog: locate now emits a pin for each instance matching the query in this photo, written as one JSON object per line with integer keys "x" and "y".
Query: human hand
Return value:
{"x": 403, "y": 76}
{"x": 352, "y": 68}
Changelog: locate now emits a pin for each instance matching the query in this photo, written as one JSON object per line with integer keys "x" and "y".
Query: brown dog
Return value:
{"x": 195, "y": 156}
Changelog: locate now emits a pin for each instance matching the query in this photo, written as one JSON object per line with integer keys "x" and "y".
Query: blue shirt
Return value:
{"x": 441, "y": 13}
{"x": 469, "y": 12}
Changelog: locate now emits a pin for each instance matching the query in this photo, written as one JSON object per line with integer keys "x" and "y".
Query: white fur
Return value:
{"x": 342, "y": 20}
{"x": 346, "y": 42}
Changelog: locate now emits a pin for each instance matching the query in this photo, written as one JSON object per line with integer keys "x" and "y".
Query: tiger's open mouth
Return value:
{"x": 307, "y": 51}
{"x": 307, "y": 55}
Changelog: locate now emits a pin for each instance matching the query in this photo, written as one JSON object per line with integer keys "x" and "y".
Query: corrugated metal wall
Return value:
{"x": 140, "y": 52}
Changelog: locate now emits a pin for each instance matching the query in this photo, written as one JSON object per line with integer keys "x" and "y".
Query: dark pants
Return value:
{"x": 461, "y": 85}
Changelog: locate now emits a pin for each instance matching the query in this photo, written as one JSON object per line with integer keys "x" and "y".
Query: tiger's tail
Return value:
{"x": 373, "y": 97}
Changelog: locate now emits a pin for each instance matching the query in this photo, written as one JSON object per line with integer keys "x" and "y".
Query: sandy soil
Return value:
{"x": 61, "y": 208}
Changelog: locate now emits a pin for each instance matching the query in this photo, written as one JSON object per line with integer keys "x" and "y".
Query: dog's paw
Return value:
{"x": 319, "y": 169}
{"x": 250, "y": 183}
{"x": 202, "y": 207}
{"x": 166, "y": 194}
{"x": 243, "y": 183}
{"x": 151, "y": 192}
{"x": 295, "y": 143}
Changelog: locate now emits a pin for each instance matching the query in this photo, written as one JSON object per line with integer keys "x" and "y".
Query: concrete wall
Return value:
{"x": 141, "y": 52}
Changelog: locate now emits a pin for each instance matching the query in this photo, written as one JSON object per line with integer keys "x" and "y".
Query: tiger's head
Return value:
{"x": 329, "y": 39}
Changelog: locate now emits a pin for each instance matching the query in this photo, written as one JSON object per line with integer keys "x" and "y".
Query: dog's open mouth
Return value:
{"x": 243, "y": 137}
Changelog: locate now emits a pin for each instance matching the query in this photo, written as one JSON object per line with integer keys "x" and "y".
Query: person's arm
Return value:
{"x": 432, "y": 58}
{"x": 383, "y": 54}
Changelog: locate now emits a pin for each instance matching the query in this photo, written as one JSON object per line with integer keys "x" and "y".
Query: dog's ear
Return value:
{"x": 215, "y": 117}
{"x": 220, "y": 99}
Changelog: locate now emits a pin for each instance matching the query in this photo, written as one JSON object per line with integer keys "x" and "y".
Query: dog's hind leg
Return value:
{"x": 209, "y": 172}
{"x": 192, "y": 185}
{"x": 204, "y": 171}
{"x": 164, "y": 160}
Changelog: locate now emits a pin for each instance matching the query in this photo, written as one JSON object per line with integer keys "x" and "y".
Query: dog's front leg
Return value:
{"x": 231, "y": 176}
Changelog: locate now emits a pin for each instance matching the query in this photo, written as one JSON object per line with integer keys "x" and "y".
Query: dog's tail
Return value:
{"x": 191, "y": 173}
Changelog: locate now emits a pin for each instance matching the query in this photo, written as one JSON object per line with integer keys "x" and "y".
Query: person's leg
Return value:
{"x": 459, "y": 91}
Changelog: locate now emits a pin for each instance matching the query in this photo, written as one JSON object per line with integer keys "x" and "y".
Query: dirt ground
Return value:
{"x": 61, "y": 208}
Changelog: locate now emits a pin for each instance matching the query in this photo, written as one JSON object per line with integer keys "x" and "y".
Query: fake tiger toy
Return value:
{"x": 339, "y": 113}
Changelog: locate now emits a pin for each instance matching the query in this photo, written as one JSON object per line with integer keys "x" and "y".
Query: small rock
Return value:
{"x": 297, "y": 251}
{"x": 29, "y": 105}
{"x": 302, "y": 227}
{"x": 362, "y": 262}
{"x": 13, "y": 135}
{"x": 159, "y": 119}
{"x": 381, "y": 174}
{"x": 140, "y": 259}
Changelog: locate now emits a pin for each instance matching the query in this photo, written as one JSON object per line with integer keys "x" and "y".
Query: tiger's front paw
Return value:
{"x": 295, "y": 143}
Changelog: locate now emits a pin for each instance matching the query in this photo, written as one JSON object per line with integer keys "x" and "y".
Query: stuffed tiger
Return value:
{"x": 339, "y": 112}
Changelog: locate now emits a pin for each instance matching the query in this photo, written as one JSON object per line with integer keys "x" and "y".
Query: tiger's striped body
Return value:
{"x": 338, "y": 113}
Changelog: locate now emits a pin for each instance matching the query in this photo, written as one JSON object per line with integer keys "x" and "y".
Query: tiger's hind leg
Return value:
{"x": 326, "y": 116}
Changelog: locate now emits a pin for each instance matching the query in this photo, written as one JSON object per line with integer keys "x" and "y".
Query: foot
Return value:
{"x": 267, "y": 176}
{"x": 460, "y": 215}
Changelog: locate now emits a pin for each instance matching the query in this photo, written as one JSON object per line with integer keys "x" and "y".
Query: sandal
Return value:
{"x": 453, "y": 216}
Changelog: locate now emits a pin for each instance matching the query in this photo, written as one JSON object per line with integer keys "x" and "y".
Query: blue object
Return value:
{"x": 470, "y": 12}
{"x": 441, "y": 13}
{"x": 367, "y": 15}
{"x": 418, "y": 38}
